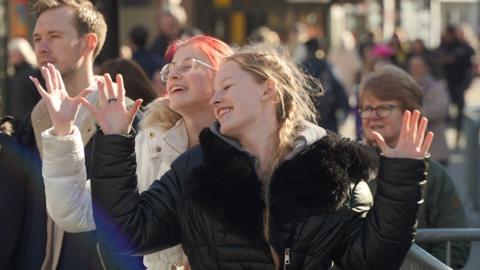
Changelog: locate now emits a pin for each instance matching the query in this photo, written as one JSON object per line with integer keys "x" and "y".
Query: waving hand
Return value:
{"x": 412, "y": 142}
{"x": 112, "y": 115}
{"x": 62, "y": 108}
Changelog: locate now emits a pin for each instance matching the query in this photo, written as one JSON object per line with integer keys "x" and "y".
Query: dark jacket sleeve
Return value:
{"x": 12, "y": 200}
{"x": 126, "y": 221}
{"x": 383, "y": 238}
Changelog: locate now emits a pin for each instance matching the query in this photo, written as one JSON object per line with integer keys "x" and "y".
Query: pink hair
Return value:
{"x": 213, "y": 48}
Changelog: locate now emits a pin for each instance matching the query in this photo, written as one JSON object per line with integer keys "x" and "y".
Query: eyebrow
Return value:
{"x": 227, "y": 78}
{"x": 49, "y": 32}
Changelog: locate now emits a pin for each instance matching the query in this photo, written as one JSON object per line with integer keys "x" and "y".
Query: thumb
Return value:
{"x": 93, "y": 110}
{"x": 134, "y": 109}
{"x": 85, "y": 92}
{"x": 380, "y": 142}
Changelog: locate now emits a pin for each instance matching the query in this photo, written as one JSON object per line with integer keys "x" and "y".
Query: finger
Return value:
{"x": 53, "y": 75}
{"x": 61, "y": 84}
{"x": 422, "y": 128}
{"x": 48, "y": 79}
{"x": 414, "y": 125}
{"x": 120, "y": 87}
{"x": 83, "y": 93}
{"x": 39, "y": 87}
{"x": 133, "y": 111}
{"x": 427, "y": 143}
{"x": 102, "y": 97}
{"x": 109, "y": 86}
{"x": 380, "y": 142}
{"x": 93, "y": 110}
{"x": 404, "y": 131}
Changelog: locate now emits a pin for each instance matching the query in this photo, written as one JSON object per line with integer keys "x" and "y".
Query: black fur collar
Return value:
{"x": 316, "y": 180}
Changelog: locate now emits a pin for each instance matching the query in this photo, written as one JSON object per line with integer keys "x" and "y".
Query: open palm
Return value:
{"x": 112, "y": 115}
{"x": 412, "y": 142}
{"x": 62, "y": 108}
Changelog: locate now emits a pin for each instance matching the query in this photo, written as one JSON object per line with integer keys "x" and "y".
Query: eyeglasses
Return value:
{"x": 383, "y": 111}
{"x": 186, "y": 65}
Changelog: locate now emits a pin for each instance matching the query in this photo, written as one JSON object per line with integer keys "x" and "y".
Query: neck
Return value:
{"x": 78, "y": 79}
{"x": 262, "y": 142}
{"x": 195, "y": 123}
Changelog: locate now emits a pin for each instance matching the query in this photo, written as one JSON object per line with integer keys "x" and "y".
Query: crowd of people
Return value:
{"x": 191, "y": 154}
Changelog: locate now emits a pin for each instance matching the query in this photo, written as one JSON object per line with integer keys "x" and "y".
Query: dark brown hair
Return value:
{"x": 88, "y": 18}
{"x": 137, "y": 84}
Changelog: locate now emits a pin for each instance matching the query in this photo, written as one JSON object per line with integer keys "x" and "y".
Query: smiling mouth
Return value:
{"x": 223, "y": 111}
{"x": 176, "y": 89}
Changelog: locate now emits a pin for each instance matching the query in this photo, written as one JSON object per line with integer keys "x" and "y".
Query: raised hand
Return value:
{"x": 412, "y": 142}
{"x": 61, "y": 107}
{"x": 112, "y": 115}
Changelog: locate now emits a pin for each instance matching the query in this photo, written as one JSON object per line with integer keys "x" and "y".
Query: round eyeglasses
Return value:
{"x": 382, "y": 111}
{"x": 185, "y": 66}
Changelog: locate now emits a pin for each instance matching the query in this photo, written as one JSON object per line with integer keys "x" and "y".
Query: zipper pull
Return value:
{"x": 287, "y": 258}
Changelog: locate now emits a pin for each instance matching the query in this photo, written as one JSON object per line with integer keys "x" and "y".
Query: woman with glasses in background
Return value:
{"x": 384, "y": 96}
{"x": 169, "y": 127}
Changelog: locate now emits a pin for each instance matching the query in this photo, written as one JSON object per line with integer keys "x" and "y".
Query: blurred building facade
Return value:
{"x": 234, "y": 20}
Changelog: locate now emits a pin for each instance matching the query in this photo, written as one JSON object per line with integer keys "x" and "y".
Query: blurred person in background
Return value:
{"x": 21, "y": 94}
{"x": 399, "y": 51}
{"x": 297, "y": 36}
{"x": 455, "y": 56}
{"x": 419, "y": 49}
{"x": 171, "y": 20}
{"x": 346, "y": 61}
{"x": 333, "y": 106}
{"x": 435, "y": 105}
{"x": 136, "y": 82}
{"x": 263, "y": 34}
{"x": 148, "y": 61}
{"x": 384, "y": 96}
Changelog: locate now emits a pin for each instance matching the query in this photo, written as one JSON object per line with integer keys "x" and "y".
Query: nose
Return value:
{"x": 173, "y": 73}
{"x": 216, "y": 98}
{"x": 41, "y": 46}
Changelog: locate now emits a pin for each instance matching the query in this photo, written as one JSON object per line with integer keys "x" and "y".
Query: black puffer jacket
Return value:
{"x": 212, "y": 202}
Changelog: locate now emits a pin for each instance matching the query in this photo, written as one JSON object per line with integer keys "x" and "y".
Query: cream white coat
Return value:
{"x": 68, "y": 195}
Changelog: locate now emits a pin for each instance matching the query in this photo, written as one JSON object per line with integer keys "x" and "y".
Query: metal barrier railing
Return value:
{"x": 447, "y": 235}
{"x": 471, "y": 130}
{"x": 418, "y": 259}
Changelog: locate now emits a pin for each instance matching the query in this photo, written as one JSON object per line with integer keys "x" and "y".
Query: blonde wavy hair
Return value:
{"x": 294, "y": 89}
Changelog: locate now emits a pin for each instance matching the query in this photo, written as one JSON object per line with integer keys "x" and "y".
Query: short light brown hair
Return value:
{"x": 88, "y": 18}
{"x": 392, "y": 83}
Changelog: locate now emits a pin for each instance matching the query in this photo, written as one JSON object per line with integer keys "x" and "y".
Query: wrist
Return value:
{"x": 63, "y": 131}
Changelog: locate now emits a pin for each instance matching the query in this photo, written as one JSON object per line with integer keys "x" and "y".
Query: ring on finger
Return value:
{"x": 112, "y": 100}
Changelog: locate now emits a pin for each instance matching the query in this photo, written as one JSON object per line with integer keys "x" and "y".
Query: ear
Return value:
{"x": 90, "y": 42}
{"x": 270, "y": 91}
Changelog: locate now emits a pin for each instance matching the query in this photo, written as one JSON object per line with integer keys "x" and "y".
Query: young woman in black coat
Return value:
{"x": 265, "y": 188}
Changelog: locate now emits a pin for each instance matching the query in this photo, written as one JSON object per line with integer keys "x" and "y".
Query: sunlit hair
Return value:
{"x": 24, "y": 48}
{"x": 88, "y": 18}
{"x": 214, "y": 49}
{"x": 294, "y": 88}
{"x": 392, "y": 83}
